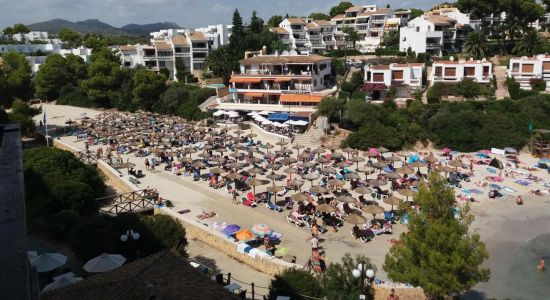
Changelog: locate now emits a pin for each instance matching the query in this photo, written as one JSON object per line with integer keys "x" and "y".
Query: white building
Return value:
{"x": 280, "y": 83}
{"x": 31, "y": 36}
{"x": 406, "y": 79}
{"x": 370, "y": 22}
{"x": 480, "y": 71}
{"x": 307, "y": 35}
{"x": 217, "y": 34}
{"x": 170, "y": 49}
{"x": 524, "y": 69}
{"x": 31, "y": 48}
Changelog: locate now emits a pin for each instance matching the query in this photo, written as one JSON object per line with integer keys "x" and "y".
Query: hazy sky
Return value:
{"x": 184, "y": 12}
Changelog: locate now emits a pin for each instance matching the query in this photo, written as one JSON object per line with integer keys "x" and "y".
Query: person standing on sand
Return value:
{"x": 519, "y": 200}
{"x": 146, "y": 164}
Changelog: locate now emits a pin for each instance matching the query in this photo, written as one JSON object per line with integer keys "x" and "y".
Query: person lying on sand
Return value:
{"x": 541, "y": 267}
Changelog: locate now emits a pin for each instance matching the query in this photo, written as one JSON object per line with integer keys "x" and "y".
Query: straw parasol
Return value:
{"x": 373, "y": 209}
{"x": 336, "y": 182}
{"x": 254, "y": 183}
{"x": 345, "y": 199}
{"x": 198, "y": 164}
{"x": 407, "y": 193}
{"x": 274, "y": 189}
{"x": 234, "y": 165}
{"x": 289, "y": 160}
{"x": 317, "y": 189}
{"x": 217, "y": 170}
{"x": 456, "y": 163}
{"x": 363, "y": 190}
{"x": 352, "y": 176}
{"x": 325, "y": 208}
{"x": 431, "y": 159}
{"x": 418, "y": 164}
{"x": 382, "y": 150}
{"x": 328, "y": 170}
{"x": 322, "y": 160}
{"x": 299, "y": 197}
{"x": 357, "y": 159}
{"x": 273, "y": 176}
{"x": 404, "y": 170}
{"x": 392, "y": 200}
{"x": 233, "y": 176}
{"x": 311, "y": 177}
{"x": 254, "y": 170}
{"x": 356, "y": 219}
{"x": 393, "y": 176}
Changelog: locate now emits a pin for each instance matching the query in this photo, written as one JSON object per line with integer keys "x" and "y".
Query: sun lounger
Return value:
{"x": 248, "y": 202}
{"x": 296, "y": 219}
{"x": 273, "y": 206}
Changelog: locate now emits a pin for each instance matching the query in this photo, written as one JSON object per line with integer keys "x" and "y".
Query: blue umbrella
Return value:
{"x": 231, "y": 229}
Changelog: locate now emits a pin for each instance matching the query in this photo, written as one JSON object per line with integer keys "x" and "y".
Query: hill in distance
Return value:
{"x": 96, "y": 26}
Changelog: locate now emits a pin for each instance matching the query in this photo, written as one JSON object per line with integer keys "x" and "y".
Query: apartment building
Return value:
{"x": 217, "y": 35}
{"x": 452, "y": 72}
{"x": 369, "y": 21}
{"x": 171, "y": 50}
{"x": 406, "y": 79}
{"x": 524, "y": 69}
{"x": 444, "y": 28}
{"x": 306, "y": 35}
{"x": 279, "y": 83}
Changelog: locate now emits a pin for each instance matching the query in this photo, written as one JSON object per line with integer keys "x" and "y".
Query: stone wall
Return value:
{"x": 196, "y": 230}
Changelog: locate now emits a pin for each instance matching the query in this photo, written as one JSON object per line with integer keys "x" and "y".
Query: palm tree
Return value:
{"x": 476, "y": 45}
{"x": 529, "y": 43}
{"x": 221, "y": 62}
{"x": 351, "y": 35}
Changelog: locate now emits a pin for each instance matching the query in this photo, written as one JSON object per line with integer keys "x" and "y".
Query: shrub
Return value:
{"x": 537, "y": 84}
{"x": 435, "y": 93}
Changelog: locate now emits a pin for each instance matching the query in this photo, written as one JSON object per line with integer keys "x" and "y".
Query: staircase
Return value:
{"x": 312, "y": 137}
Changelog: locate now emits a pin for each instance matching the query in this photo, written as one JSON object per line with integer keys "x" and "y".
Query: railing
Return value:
{"x": 87, "y": 157}
{"x": 137, "y": 201}
{"x": 268, "y": 73}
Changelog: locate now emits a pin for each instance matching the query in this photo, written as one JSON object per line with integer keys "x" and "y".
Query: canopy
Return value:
{"x": 231, "y": 229}
{"x": 103, "y": 263}
{"x": 48, "y": 262}
{"x": 265, "y": 112}
{"x": 219, "y": 113}
{"x": 496, "y": 164}
{"x": 232, "y": 114}
{"x": 278, "y": 117}
{"x": 245, "y": 80}
{"x": 296, "y": 98}
{"x": 244, "y": 235}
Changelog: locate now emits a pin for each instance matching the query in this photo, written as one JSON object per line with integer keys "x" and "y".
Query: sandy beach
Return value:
{"x": 504, "y": 226}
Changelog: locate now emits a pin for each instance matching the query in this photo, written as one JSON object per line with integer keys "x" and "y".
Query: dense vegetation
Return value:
{"x": 337, "y": 282}
{"x": 464, "y": 126}
{"x": 438, "y": 253}
{"x": 61, "y": 194}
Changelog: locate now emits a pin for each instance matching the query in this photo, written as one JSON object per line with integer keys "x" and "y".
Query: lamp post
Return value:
{"x": 361, "y": 272}
{"x": 130, "y": 234}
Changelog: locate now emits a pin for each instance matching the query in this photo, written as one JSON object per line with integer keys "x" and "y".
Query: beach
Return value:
{"x": 503, "y": 225}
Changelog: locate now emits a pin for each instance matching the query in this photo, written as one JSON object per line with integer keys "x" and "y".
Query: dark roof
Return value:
{"x": 165, "y": 273}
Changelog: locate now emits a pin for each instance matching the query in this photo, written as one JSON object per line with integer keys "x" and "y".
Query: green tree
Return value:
{"x": 148, "y": 86}
{"x": 103, "y": 82}
{"x": 168, "y": 232}
{"x": 57, "y": 72}
{"x": 415, "y": 13}
{"x": 529, "y": 44}
{"x": 222, "y": 62}
{"x": 438, "y": 253}
{"x": 256, "y": 23}
{"x": 20, "y": 28}
{"x": 352, "y": 36}
{"x": 338, "y": 281}
{"x": 15, "y": 78}
{"x": 319, "y": 16}
{"x": 294, "y": 283}
{"x": 70, "y": 37}
{"x": 468, "y": 88}
{"x": 8, "y": 30}
{"x": 237, "y": 38}
{"x": 332, "y": 108}
{"x": 22, "y": 114}
{"x": 391, "y": 39}
{"x": 171, "y": 100}
{"x": 340, "y": 8}
{"x": 476, "y": 44}
{"x": 274, "y": 21}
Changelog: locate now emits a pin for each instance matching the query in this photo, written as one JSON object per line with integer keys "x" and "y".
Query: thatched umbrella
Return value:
{"x": 392, "y": 200}
{"x": 328, "y": 170}
{"x": 199, "y": 164}
{"x": 418, "y": 164}
{"x": 317, "y": 189}
{"x": 345, "y": 199}
{"x": 268, "y": 146}
{"x": 254, "y": 183}
{"x": 325, "y": 208}
{"x": 336, "y": 182}
{"x": 308, "y": 164}
{"x": 357, "y": 159}
{"x": 393, "y": 176}
{"x": 254, "y": 170}
{"x": 363, "y": 190}
{"x": 289, "y": 160}
{"x": 407, "y": 193}
{"x": 322, "y": 160}
{"x": 404, "y": 170}
{"x": 281, "y": 143}
{"x": 311, "y": 177}
{"x": 274, "y": 189}
{"x": 456, "y": 163}
{"x": 299, "y": 197}
{"x": 374, "y": 210}
{"x": 356, "y": 219}
{"x": 343, "y": 164}
{"x": 235, "y": 165}
{"x": 352, "y": 176}
{"x": 217, "y": 170}
{"x": 382, "y": 150}
{"x": 233, "y": 176}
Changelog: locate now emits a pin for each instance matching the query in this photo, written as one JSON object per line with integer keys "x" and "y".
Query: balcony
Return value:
{"x": 378, "y": 21}
{"x": 433, "y": 45}
{"x": 269, "y": 73}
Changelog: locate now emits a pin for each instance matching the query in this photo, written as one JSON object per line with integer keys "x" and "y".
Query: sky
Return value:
{"x": 186, "y": 13}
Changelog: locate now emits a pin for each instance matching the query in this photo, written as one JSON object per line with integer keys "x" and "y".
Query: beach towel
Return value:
{"x": 523, "y": 182}
{"x": 509, "y": 189}
{"x": 492, "y": 170}
{"x": 494, "y": 186}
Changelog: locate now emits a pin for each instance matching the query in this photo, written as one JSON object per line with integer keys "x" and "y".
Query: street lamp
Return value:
{"x": 129, "y": 234}
{"x": 361, "y": 272}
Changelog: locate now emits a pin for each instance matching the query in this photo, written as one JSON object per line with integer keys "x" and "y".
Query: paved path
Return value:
{"x": 500, "y": 74}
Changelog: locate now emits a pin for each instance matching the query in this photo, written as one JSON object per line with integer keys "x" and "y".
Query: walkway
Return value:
{"x": 312, "y": 137}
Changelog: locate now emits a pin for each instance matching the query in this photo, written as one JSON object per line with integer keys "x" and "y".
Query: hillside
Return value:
{"x": 96, "y": 26}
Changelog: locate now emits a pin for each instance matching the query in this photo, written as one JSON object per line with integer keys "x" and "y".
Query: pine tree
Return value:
{"x": 237, "y": 34}
{"x": 256, "y": 23}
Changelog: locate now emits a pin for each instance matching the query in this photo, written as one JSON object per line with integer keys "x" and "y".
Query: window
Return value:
{"x": 162, "y": 64}
{"x": 397, "y": 75}
{"x": 546, "y": 66}
{"x": 527, "y": 68}
{"x": 378, "y": 77}
{"x": 450, "y": 71}
{"x": 515, "y": 67}
{"x": 417, "y": 29}
{"x": 438, "y": 71}
{"x": 404, "y": 39}
{"x": 469, "y": 71}
{"x": 485, "y": 70}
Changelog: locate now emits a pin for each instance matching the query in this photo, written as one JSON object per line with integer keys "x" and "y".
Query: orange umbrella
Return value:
{"x": 244, "y": 235}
